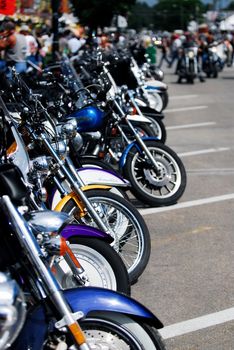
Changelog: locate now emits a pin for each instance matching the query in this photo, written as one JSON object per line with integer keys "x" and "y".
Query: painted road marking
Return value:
{"x": 187, "y": 126}
{"x": 185, "y": 109}
{"x": 204, "y": 151}
{"x": 198, "y": 323}
{"x": 182, "y": 97}
{"x": 215, "y": 171}
{"x": 188, "y": 204}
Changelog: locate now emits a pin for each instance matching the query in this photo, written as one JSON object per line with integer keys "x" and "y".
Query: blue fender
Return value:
{"x": 124, "y": 155}
{"x": 78, "y": 230}
{"x": 87, "y": 300}
{"x": 94, "y": 299}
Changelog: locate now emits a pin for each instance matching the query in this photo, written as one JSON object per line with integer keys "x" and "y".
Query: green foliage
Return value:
{"x": 99, "y": 13}
{"x": 141, "y": 16}
{"x": 230, "y": 7}
{"x": 176, "y": 14}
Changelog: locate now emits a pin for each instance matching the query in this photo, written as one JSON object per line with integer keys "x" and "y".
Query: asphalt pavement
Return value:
{"x": 189, "y": 281}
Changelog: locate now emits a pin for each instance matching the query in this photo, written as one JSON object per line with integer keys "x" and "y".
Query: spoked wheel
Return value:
{"x": 165, "y": 98}
{"x": 102, "y": 266}
{"x": 159, "y": 128}
{"x": 115, "y": 331}
{"x": 130, "y": 233}
{"x": 155, "y": 100}
{"x": 112, "y": 331}
{"x": 156, "y": 187}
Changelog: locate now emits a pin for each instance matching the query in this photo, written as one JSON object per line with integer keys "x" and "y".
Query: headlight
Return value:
{"x": 191, "y": 54}
{"x": 60, "y": 148}
{"x": 69, "y": 128}
{"x": 41, "y": 164}
{"x": 214, "y": 49}
{"x": 77, "y": 142}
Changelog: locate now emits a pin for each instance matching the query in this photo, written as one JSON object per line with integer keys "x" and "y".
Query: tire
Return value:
{"x": 215, "y": 73}
{"x": 144, "y": 129}
{"x": 159, "y": 128}
{"x": 165, "y": 99}
{"x": 130, "y": 233}
{"x": 117, "y": 331}
{"x": 191, "y": 72}
{"x": 101, "y": 263}
{"x": 95, "y": 162}
{"x": 155, "y": 101}
{"x": 156, "y": 190}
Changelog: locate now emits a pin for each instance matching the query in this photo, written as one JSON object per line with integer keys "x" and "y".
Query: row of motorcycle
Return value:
{"x": 77, "y": 141}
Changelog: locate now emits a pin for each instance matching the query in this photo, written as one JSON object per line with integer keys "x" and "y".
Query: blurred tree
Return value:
{"x": 99, "y": 13}
{"x": 141, "y": 16}
{"x": 230, "y": 7}
{"x": 176, "y": 14}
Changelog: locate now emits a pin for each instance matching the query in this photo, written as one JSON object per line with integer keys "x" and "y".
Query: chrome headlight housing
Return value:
{"x": 77, "y": 142}
{"x": 60, "y": 148}
{"x": 69, "y": 128}
{"x": 41, "y": 163}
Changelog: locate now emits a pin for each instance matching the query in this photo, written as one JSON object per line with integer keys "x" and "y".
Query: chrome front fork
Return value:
{"x": 76, "y": 183}
{"x": 34, "y": 254}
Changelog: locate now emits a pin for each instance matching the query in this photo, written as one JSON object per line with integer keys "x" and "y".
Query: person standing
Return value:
{"x": 14, "y": 46}
{"x": 164, "y": 52}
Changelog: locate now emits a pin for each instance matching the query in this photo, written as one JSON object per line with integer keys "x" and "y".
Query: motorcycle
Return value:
{"x": 80, "y": 317}
{"x": 187, "y": 67}
{"x": 156, "y": 173}
{"x": 211, "y": 62}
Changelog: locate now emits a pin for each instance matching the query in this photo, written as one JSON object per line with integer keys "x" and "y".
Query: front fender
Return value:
{"x": 57, "y": 203}
{"x": 93, "y": 299}
{"x": 84, "y": 231}
{"x": 96, "y": 176}
{"x": 156, "y": 85}
{"x": 151, "y": 112}
{"x": 124, "y": 155}
{"x": 89, "y": 300}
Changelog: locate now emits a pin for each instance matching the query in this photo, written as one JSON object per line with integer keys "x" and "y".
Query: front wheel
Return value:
{"x": 165, "y": 99}
{"x": 156, "y": 187}
{"x": 127, "y": 227}
{"x": 117, "y": 331}
{"x": 159, "y": 128}
{"x": 102, "y": 266}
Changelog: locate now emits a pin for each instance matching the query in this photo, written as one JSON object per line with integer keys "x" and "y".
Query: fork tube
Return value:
{"x": 132, "y": 99}
{"x": 33, "y": 252}
{"x": 75, "y": 185}
{"x": 138, "y": 138}
{"x": 73, "y": 170}
{"x": 142, "y": 144}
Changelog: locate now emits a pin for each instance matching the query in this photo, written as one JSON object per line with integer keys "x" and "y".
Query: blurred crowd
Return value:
{"x": 24, "y": 44}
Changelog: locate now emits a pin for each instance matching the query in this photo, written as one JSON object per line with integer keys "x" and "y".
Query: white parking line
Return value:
{"x": 198, "y": 323}
{"x": 182, "y": 97}
{"x": 187, "y": 126}
{"x": 212, "y": 171}
{"x": 188, "y": 204}
{"x": 185, "y": 109}
{"x": 204, "y": 151}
